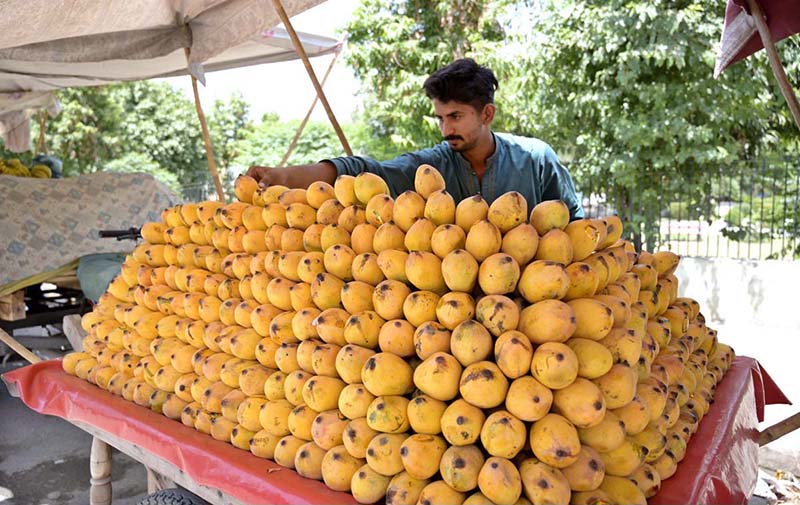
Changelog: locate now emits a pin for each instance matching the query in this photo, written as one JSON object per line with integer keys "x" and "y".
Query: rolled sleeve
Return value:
{"x": 352, "y": 165}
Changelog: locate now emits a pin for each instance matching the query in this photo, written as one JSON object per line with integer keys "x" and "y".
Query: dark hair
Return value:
{"x": 462, "y": 81}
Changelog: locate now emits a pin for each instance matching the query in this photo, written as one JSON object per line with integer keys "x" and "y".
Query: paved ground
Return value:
{"x": 44, "y": 460}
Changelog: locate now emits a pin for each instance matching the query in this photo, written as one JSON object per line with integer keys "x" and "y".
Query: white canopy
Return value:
{"x": 46, "y": 45}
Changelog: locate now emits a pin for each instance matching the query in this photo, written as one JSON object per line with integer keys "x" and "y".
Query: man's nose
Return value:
{"x": 446, "y": 128}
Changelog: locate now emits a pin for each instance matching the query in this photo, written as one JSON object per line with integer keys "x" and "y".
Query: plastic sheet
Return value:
{"x": 721, "y": 462}
{"x": 720, "y": 466}
{"x": 47, "y": 389}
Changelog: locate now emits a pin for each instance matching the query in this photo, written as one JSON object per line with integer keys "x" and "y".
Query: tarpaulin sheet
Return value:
{"x": 47, "y": 45}
{"x": 721, "y": 462}
{"x": 719, "y": 468}
{"x": 740, "y": 36}
{"x": 47, "y": 389}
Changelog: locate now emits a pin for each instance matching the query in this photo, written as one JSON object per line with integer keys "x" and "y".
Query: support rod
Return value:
{"x": 18, "y": 348}
{"x": 298, "y": 46}
{"x": 774, "y": 60}
{"x": 212, "y": 165}
{"x": 302, "y": 126}
{"x": 780, "y": 429}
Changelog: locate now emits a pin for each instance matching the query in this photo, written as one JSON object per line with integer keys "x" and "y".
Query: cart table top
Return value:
{"x": 720, "y": 466}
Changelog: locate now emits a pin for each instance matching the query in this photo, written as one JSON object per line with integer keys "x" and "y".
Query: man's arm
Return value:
{"x": 398, "y": 172}
{"x": 299, "y": 176}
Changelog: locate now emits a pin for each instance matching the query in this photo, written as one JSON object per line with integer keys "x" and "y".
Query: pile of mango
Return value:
{"x": 16, "y": 168}
{"x": 412, "y": 349}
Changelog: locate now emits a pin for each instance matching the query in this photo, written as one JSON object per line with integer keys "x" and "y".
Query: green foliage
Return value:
{"x": 142, "y": 126}
{"x": 686, "y": 210}
{"x": 228, "y": 123}
{"x": 152, "y": 128}
{"x": 160, "y": 122}
{"x": 130, "y": 124}
{"x": 626, "y": 91}
{"x": 138, "y": 162}
{"x": 266, "y": 143}
{"x": 767, "y": 203}
{"x": 85, "y": 133}
{"x": 25, "y": 158}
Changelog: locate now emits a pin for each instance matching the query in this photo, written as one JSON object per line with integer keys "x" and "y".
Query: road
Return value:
{"x": 44, "y": 460}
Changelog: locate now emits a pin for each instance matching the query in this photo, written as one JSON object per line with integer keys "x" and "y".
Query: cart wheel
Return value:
{"x": 175, "y": 496}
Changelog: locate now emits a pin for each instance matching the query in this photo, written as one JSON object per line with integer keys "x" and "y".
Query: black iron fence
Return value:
{"x": 746, "y": 211}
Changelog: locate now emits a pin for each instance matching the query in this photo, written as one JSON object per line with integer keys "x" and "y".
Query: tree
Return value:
{"x": 138, "y": 162}
{"x": 85, "y": 132}
{"x": 140, "y": 126}
{"x": 625, "y": 91}
{"x": 160, "y": 122}
{"x": 266, "y": 143}
{"x": 228, "y": 124}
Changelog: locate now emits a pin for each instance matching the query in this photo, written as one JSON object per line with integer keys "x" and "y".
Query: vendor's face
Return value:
{"x": 461, "y": 124}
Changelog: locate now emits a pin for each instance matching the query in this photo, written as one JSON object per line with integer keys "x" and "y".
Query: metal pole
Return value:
{"x": 298, "y": 46}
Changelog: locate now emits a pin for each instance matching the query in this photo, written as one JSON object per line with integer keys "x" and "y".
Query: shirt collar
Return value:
{"x": 498, "y": 145}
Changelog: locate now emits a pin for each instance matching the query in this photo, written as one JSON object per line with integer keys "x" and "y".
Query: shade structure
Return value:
{"x": 51, "y": 42}
{"x": 46, "y": 45}
{"x": 39, "y": 75}
{"x": 740, "y": 36}
{"x": 751, "y": 25}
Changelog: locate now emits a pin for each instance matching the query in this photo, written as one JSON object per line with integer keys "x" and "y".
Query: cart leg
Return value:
{"x": 100, "y": 469}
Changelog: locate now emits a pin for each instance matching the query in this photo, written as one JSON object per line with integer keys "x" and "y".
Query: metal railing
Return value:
{"x": 745, "y": 211}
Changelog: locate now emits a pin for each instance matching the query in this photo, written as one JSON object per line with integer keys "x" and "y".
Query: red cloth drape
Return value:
{"x": 721, "y": 462}
{"x": 47, "y": 389}
{"x": 720, "y": 466}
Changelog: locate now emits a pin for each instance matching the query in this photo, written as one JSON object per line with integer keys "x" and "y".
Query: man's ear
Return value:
{"x": 487, "y": 114}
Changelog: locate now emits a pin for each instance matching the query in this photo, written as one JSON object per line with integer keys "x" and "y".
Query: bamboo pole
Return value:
{"x": 41, "y": 145}
{"x": 780, "y": 429}
{"x": 302, "y": 126}
{"x": 298, "y": 46}
{"x": 774, "y": 60}
{"x": 212, "y": 165}
{"x": 18, "y": 348}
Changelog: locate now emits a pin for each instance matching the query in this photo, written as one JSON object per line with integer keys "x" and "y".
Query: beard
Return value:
{"x": 462, "y": 146}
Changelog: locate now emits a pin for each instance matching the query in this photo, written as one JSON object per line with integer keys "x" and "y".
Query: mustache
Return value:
{"x": 454, "y": 137}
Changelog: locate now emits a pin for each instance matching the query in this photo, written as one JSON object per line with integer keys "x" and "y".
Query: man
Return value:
{"x": 472, "y": 158}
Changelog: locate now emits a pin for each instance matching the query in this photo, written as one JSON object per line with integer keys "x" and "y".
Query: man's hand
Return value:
{"x": 299, "y": 176}
{"x": 267, "y": 176}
